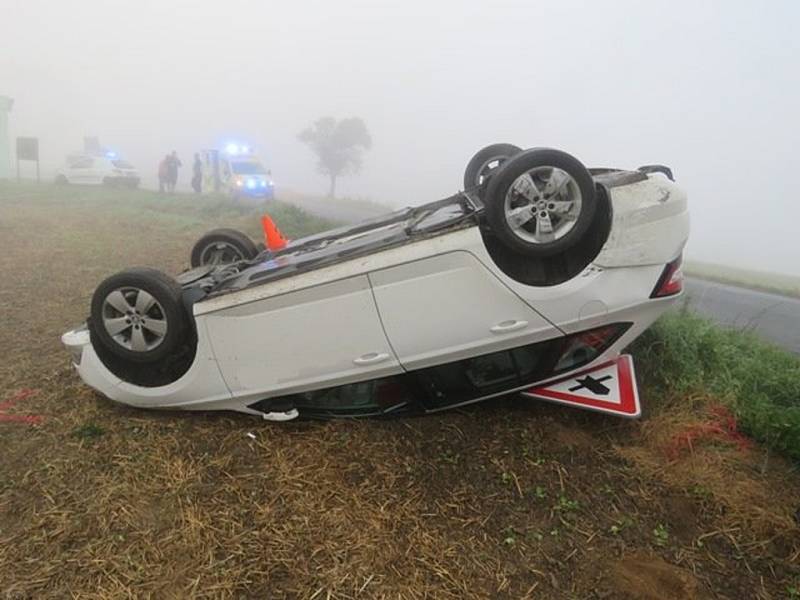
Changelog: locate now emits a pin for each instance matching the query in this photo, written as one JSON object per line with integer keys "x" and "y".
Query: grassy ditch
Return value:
{"x": 683, "y": 354}
{"x": 176, "y": 213}
{"x": 510, "y": 498}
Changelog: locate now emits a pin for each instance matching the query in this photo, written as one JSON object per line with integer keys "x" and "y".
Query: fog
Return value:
{"x": 711, "y": 89}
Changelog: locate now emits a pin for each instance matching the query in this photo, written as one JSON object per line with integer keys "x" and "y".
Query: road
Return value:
{"x": 772, "y": 317}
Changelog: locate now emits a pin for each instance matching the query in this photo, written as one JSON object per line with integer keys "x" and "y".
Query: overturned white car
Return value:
{"x": 540, "y": 269}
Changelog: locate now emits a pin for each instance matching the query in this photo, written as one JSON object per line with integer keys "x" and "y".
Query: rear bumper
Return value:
{"x": 650, "y": 224}
{"x": 200, "y": 388}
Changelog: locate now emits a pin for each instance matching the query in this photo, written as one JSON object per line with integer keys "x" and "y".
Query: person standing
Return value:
{"x": 197, "y": 174}
{"x": 163, "y": 174}
{"x": 172, "y": 171}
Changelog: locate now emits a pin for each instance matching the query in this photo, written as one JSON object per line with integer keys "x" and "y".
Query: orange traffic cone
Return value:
{"x": 273, "y": 238}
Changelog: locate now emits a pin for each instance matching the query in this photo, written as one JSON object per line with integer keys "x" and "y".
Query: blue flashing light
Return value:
{"x": 234, "y": 149}
{"x": 263, "y": 183}
{"x": 251, "y": 184}
{"x": 111, "y": 154}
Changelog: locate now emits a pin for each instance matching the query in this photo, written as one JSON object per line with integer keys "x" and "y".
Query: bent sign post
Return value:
{"x": 608, "y": 388}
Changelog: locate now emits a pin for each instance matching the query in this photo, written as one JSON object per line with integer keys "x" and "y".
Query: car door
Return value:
{"x": 80, "y": 171}
{"x": 450, "y": 307}
{"x": 319, "y": 337}
{"x": 100, "y": 169}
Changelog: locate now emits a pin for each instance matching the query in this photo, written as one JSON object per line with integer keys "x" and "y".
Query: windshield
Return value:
{"x": 248, "y": 168}
{"x": 122, "y": 164}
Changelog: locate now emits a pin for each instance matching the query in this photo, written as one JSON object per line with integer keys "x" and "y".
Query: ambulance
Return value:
{"x": 237, "y": 172}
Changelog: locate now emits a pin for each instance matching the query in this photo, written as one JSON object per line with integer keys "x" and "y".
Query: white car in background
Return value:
{"x": 540, "y": 271}
{"x": 86, "y": 169}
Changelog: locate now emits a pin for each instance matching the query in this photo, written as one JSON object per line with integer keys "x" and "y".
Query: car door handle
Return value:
{"x": 371, "y": 358}
{"x": 509, "y": 326}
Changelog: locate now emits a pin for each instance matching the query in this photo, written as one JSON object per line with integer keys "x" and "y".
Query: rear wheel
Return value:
{"x": 138, "y": 315}
{"x": 541, "y": 202}
{"x": 486, "y": 163}
{"x": 222, "y": 246}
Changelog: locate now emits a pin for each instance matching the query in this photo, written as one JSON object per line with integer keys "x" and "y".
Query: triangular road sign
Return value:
{"x": 609, "y": 387}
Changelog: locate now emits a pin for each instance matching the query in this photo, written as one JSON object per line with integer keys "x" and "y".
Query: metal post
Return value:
{"x": 6, "y": 104}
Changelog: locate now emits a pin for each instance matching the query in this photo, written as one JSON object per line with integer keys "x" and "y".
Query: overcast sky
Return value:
{"x": 710, "y": 88}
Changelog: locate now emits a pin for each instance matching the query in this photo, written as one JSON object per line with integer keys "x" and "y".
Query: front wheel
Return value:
{"x": 222, "y": 246}
{"x": 138, "y": 315}
{"x": 541, "y": 202}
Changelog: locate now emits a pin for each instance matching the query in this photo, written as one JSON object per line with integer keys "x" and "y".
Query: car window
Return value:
{"x": 248, "y": 167}
{"x": 533, "y": 360}
{"x": 466, "y": 380}
{"x": 367, "y": 397}
{"x": 82, "y": 163}
{"x": 490, "y": 370}
{"x": 122, "y": 164}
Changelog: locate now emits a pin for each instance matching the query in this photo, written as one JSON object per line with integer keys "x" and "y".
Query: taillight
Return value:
{"x": 582, "y": 348}
{"x": 671, "y": 280}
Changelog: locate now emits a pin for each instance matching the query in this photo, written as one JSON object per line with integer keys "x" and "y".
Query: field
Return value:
{"x": 761, "y": 280}
{"x": 509, "y": 499}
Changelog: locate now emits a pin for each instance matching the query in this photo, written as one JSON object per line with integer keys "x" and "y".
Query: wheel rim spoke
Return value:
{"x": 555, "y": 184}
{"x": 116, "y": 326}
{"x": 119, "y": 302}
{"x": 156, "y": 326}
{"x": 560, "y": 206}
{"x": 138, "y": 343}
{"x": 544, "y": 228}
{"x": 526, "y": 187}
{"x": 144, "y": 302}
{"x": 519, "y": 216}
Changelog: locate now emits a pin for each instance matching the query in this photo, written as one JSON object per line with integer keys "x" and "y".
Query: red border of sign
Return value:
{"x": 629, "y": 394}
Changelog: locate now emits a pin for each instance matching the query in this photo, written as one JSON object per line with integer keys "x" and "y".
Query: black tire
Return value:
{"x": 167, "y": 309}
{"x": 480, "y": 167}
{"x": 237, "y": 245}
{"x": 504, "y": 178}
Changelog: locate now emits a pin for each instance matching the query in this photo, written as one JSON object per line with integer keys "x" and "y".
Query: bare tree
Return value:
{"x": 339, "y": 146}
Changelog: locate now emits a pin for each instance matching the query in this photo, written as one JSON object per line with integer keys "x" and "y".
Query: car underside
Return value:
{"x": 424, "y": 309}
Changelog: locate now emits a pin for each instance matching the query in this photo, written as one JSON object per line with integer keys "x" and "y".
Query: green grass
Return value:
{"x": 176, "y": 211}
{"x": 683, "y": 354}
{"x": 762, "y": 280}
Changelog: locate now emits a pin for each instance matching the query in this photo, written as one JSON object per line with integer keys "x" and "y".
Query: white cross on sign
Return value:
{"x": 609, "y": 388}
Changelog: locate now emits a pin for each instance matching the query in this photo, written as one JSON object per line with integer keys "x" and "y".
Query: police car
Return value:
{"x": 98, "y": 169}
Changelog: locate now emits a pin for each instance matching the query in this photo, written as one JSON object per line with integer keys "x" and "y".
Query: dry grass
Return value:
{"x": 509, "y": 499}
